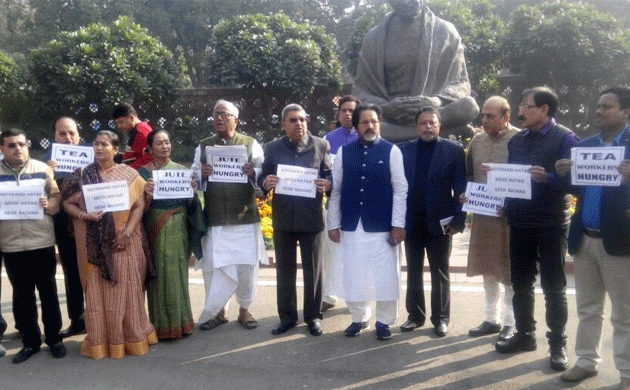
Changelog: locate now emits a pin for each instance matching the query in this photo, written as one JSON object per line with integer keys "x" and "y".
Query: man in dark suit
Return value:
{"x": 297, "y": 219}
{"x": 435, "y": 169}
{"x": 599, "y": 240}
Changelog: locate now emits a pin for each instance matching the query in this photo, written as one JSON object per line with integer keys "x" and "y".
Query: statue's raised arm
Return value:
{"x": 410, "y": 60}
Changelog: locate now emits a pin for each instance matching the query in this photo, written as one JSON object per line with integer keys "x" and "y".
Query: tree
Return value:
{"x": 104, "y": 64}
{"x": 481, "y": 30}
{"x": 272, "y": 53}
{"x": 571, "y": 47}
{"x": 185, "y": 26}
{"x": 7, "y": 76}
{"x": 13, "y": 98}
{"x": 563, "y": 43}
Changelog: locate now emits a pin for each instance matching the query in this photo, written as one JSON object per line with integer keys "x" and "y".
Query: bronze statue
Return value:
{"x": 410, "y": 60}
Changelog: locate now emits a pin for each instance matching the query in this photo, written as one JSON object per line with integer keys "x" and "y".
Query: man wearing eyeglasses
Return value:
{"x": 435, "y": 169}
{"x": 538, "y": 226}
{"x": 297, "y": 219}
{"x": 28, "y": 247}
{"x": 233, "y": 245}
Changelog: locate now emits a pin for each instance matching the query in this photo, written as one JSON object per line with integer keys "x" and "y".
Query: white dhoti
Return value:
{"x": 331, "y": 269}
{"x": 231, "y": 255}
{"x": 371, "y": 272}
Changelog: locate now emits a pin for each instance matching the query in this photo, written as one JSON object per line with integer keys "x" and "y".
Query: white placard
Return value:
{"x": 480, "y": 201}
{"x": 71, "y": 157}
{"x": 510, "y": 181}
{"x": 596, "y": 166}
{"x": 296, "y": 181}
{"x": 172, "y": 184}
{"x": 21, "y": 202}
{"x": 112, "y": 196}
{"x": 227, "y": 163}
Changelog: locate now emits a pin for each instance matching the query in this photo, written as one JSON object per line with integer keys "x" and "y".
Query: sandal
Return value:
{"x": 213, "y": 322}
{"x": 246, "y": 319}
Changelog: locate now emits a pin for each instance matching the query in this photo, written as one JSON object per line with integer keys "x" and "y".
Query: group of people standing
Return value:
{"x": 383, "y": 194}
{"x": 379, "y": 195}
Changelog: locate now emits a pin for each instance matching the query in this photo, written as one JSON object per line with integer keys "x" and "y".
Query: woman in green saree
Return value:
{"x": 167, "y": 227}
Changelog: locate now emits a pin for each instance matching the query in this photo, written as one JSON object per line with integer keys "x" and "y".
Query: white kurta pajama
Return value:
{"x": 231, "y": 255}
{"x": 371, "y": 266}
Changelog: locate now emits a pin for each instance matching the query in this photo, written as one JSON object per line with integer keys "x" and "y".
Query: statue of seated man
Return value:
{"x": 410, "y": 60}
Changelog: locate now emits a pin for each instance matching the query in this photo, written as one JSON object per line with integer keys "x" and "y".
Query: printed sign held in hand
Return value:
{"x": 596, "y": 166}
{"x": 510, "y": 181}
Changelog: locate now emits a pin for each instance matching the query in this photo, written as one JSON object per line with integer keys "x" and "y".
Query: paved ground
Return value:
{"x": 230, "y": 357}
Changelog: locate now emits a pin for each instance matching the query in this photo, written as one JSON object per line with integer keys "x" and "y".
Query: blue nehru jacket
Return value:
{"x": 366, "y": 191}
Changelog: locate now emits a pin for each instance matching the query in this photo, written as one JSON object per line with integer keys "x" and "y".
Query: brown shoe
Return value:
{"x": 577, "y": 374}
{"x": 212, "y": 323}
{"x": 246, "y": 319}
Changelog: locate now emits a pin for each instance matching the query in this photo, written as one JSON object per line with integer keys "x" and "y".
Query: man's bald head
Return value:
{"x": 495, "y": 115}
{"x": 66, "y": 131}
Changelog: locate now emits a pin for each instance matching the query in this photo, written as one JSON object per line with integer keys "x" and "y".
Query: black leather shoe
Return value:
{"x": 485, "y": 329}
{"x": 58, "y": 350}
{"x": 409, "y": 325}
{"x": 315, "y": 327}
{"x": 283, "y": 327}
{"x": 24, "y": 354}
{"x": 517, "y": 343}
{"x": 441, "y": 330}
{"x": 506, "y": 333}
{"x": 558, "y": 360}
{"x": 73, "y": 330}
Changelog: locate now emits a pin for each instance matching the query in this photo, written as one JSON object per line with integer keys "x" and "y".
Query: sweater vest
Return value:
{"x": 366, "y": 189}
{"x": 549, "y": 205}
{"x": 229, "y": 203}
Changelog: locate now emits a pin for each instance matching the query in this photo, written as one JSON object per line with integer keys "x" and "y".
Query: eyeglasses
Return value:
{"x": 293, "y": 120}
{"x": 526, "y": 106}
{"x": 223, "y": 114}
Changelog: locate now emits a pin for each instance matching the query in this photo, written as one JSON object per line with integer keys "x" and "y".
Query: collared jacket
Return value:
{"x": 30, "y": 234}
{"x": 615, "y": 201}
{"x": 446, "y": 180}
{"x": 294, "y": 213}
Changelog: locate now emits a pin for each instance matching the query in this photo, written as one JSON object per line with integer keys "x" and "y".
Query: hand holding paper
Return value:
{"x": 322, "y": 185}
{"x": 206, "y": 171}
{"x": 563, "y": 166}
{"x": 539, "y": 174}
{"x": 270, "y": 182}
{"x": 248, "y": 170}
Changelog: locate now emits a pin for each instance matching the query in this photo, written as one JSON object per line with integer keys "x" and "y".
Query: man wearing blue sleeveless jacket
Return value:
{"x": 367, "y": 216}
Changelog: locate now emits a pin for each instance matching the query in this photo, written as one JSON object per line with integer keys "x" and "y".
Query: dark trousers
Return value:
{"x": 286, "y": 267}
{"x": 548, "y": 247}
{"x": 68, "y": 255}
{"x": 438, "y": 249}
{"x": 27, "y": 270}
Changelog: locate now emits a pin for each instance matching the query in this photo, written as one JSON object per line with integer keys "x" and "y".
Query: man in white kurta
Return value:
{"x": 367, "y": 216}
{"x": 233, "y": 245}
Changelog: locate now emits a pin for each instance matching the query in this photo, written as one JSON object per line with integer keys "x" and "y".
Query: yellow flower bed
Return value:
{"x": 264, "y": 211}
